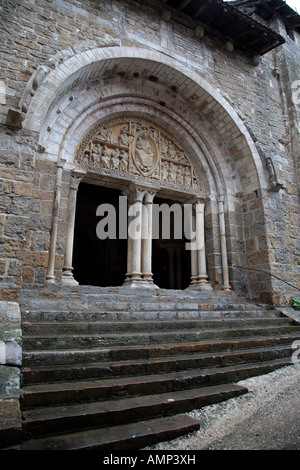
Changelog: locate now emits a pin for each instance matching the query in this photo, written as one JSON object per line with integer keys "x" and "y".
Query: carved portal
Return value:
{"x": 133, "y": 149}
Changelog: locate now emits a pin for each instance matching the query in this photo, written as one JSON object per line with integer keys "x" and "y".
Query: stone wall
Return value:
{"x": 262, "y": 225}
{"x": 10, "y": 363}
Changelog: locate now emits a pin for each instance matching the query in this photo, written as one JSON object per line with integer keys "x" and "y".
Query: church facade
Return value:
{"x": 149, "y": 143}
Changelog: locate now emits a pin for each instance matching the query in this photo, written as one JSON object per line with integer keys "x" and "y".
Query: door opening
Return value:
{"x": 97, "y": 262}
{"x": 171, "y": 262}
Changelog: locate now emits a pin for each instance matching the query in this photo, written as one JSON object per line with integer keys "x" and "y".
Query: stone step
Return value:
{"x": 33, "y": 358}
{"x": 86, "y": 327}
{"x": 96, "y": 340}
{"x": 123, "y": 437}
{"x": 111, "y": 412}
{"x": 42, "y": 395}
{"x": 67, "y": 303}
{"x": 144, "y": 366}
{"x": 84, "y": 293}
{"x": 134, "y": 314}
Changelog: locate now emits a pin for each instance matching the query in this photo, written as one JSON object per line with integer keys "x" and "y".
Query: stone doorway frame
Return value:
{"x": 140, "y": 190}
{"x": 139, "y": 251}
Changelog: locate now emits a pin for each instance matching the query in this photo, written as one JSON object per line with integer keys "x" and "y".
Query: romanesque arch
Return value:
{"x": 71, "y": 96}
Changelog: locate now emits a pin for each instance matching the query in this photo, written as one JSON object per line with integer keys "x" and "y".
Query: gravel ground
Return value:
{"x": 266, "y": 418}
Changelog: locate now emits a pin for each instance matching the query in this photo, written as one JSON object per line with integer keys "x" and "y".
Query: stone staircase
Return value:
{"x": 119, "y": 368}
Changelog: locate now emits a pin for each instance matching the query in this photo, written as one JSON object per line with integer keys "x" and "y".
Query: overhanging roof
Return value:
{"x": 222, "y": 21}
{"x": 266, "y": 9}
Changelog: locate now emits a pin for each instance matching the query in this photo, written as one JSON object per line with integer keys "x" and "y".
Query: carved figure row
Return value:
{"x": 117, "y": 159}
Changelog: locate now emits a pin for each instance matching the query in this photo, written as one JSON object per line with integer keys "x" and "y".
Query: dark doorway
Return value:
{"x": 97, "y": 262}
{"x": 171, "y": 262}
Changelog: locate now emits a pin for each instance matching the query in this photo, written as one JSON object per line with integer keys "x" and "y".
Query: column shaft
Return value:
{"x": 67, "y": 274}
{"x": 147, "y": 237}
{"x": 54, "y": 225}
{"x": 226, "y": 285}
{"x": 134, "y": 243}
{"x": 199, "y": 260}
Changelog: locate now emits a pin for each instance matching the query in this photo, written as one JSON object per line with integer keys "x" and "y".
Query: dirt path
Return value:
{"x": 266, "y": 418}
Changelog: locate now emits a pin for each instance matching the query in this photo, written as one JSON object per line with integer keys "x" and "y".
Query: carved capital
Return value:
{"x": 76, "y": 178}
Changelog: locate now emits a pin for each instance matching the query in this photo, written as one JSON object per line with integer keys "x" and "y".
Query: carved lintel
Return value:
{"x": 133, "y": 148}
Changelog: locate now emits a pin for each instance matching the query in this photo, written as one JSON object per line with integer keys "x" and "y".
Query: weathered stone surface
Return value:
{"x": 257, "y": 219}
{"x": 10, "y": 363}
{"x": 10, "y": 422}
{"x": 87, "y": 371}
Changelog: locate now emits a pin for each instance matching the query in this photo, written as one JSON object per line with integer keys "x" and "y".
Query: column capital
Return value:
{"x": 61, "y": 162}
{"x": 134, "y": 193}
{"x": 149, "y": 196}
{"x": 76, "y": 177}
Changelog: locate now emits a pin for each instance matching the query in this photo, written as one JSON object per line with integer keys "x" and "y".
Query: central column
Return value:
{"x": 139, "y": 244}
{"x": 67, "y": 274}
{"x": 135, "y": 217}
{"x": 198, "y": 254}
{"x": 147, "y": 237}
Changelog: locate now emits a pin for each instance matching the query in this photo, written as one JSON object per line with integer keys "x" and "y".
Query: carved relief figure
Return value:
{"x": 180, "y": 175}
{"x": 105, "y": 160}
{"x": 145, "y": 153}
{"x": 115, "y": 162}
{"x": 172, "y": 173}
{"x": 124, "y": 136}
{"x": 103, "y": 134}
{"x": 95, "y": 156}
{"x": 123, "y": 160}
{"x": 164, "y": 171}
{"x": 187, "y": 177}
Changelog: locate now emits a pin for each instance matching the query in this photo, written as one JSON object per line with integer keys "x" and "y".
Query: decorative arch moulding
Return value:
{"x": 55, "y": 82}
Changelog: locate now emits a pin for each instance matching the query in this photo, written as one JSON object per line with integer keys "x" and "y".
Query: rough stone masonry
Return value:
{"x": 226, "y": 100}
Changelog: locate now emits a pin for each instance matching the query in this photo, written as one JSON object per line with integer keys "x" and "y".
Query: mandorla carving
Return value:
{"x": 134, "y": 147}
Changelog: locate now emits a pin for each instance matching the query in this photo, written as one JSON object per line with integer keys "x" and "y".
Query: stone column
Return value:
{"x": 190, "y": 220}
{"x": 134, "y": 247}
{"x": 147, "y": 238}
{"x": 226, "y": 285}
{"x": 67, "y": 274}
{"x": 201, "y": 282}
{"x": 54, "y": 226}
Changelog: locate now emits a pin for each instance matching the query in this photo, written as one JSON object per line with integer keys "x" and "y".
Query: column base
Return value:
{"x": 68, "y": 279}
{"x": 133, "y": 277}
{"x": 226, "y": 288}
{"x": 144, "y": 282}
{"x": 200, "y": 286}
{"x": 149, "y": 284}
{"x": 50, "y": 279}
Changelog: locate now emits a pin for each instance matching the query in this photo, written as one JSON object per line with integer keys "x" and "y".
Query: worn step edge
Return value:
{"x": 124, "y": 437}
{"x": 60, "y": 328}
{"x": 72, "y": 356}
{"x": 127, "y": 314}
{"x": 78, "y": 392}
{"x": 87, "y": 371}
{"x": 112, "y": 412}
{"x": 105, "y": 339}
